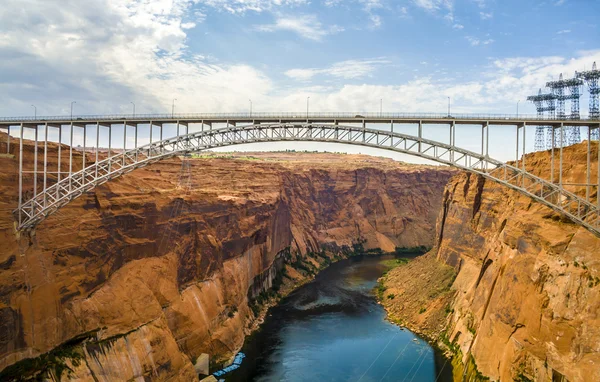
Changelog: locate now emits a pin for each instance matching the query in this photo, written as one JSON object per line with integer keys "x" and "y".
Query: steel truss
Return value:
{"x": 552, "y": 195}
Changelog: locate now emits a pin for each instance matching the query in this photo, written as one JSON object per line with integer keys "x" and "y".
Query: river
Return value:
{"x": 332, "y": 329}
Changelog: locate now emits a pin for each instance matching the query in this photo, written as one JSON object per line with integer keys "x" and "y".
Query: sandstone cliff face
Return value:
{"x": 525, "y": 303}
{"x": 148, "y": 271}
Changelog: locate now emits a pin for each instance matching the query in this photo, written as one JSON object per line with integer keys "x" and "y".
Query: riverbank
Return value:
{"x": 417, "y": 295}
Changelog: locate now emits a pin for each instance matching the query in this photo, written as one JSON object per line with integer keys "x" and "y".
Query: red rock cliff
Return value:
{"x": 152, "y": 269}
{"x": 525, "y": 302}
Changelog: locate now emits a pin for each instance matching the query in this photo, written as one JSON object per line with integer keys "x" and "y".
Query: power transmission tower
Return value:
{"x": 559, "y": 88}
{"x": 592, "y": 78}
{"x": 543, "y": 103}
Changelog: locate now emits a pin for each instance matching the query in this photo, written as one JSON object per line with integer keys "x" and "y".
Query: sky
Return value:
{"x": 346, "y": 55}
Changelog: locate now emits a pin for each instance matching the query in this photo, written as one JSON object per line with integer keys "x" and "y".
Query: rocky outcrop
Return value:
{"x": 526, "y": 299}
{"x": 149, "y": 271}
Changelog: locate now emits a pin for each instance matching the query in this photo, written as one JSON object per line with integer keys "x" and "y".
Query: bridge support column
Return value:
{"x": 97, "y": 147}
{"x": 452, "y": 139}
{"x": 35, "y": 161}
{"x": 84, "y": 154}
{"x": 109, "y": 148}
{"x": 71, "y": 159}
{"x": 588, "y": 164}
{"x": 560, "y": 167}
{"x": 552, "y": 154}
{"x": 58, "y": 169}
{"x": 135, "y": 140}
{"x": 598, "y": 188}
{"x": 517, "y": 157}
{"x": 21, "y": 175}
{"x": 124, "y": 140}
{"x": 45, "y": 163}
{"x": 8, "y": 139}
{"x": 420, "y": 134}
{"x": 524, "y": 149}
{"x": 151, "y": 128}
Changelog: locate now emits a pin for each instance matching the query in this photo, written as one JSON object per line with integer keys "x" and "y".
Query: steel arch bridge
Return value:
{"x": 53, "y": 197}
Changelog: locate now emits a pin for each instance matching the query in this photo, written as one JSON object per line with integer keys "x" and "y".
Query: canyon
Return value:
{"x": 142, "y": 276}
{"x": 148, "y": 272}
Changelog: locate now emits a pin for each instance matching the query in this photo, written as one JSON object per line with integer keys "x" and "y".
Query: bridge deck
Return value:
{"x": 255, "y": 118}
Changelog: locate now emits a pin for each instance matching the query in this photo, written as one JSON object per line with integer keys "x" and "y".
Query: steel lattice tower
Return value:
{"x": 558, "y": 89}
{"x": 592, "y": 78}
{"x": 543, "y": 103}
{"x": 551, "y": 110}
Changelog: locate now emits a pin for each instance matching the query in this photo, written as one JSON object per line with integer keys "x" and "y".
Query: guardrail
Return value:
{"x": 285, "y": 115}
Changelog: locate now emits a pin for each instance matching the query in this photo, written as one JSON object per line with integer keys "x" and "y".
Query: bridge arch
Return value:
{"x": 34, "y": 210}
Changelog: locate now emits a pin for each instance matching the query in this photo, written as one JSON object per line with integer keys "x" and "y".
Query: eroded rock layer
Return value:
{"x": 525, "y": 302}
{"x": 155, "y": 268}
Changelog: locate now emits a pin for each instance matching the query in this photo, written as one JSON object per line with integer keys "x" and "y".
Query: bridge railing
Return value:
{"x": 283, "y": 115}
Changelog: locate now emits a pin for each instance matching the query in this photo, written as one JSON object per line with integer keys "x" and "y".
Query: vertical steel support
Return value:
{"x": 420, "y": 134}
{"x": 20, "y": 175}
{"x": 517, "y": 157}
{"x": 178, "y": 128}
{"x": 58, "y": 171}
{"x": 135, "y": 140}
{"x": 84, "y": 154}
{"x": 45, "y": 162}
{"x": 35, "y": 160}
{"x": 524, "y": 148}
{"x": 487, "y": 139}
{"x": 588, "y": 164}
{"x": 8, "y": 139}
{"x": 560, "y": 170}
{"x": 71, "y": 159}
{"x": 124, "y": 140}
{"x": 151, "y": 126}
{"x": 453, "y": 138}
{"x": 97, "y": 147}
{"x": 482, "y": 144}
{"x": 109, "y": 147}
{"x": 552, "y": 154}
{"x": 598, "y": 188}
{"x": 364, "y": 129}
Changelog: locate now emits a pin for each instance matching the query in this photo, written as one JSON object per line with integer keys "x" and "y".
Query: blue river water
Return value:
{"x": 332, "y": 329}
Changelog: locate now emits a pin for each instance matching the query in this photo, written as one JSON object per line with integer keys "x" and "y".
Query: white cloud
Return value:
{"x": 243, "y": 6}
{"x": 474, "y": 41}
{"x": 564, "y": 31}
{"x": 432, "y": 5}
{"x": 350, "y": 69}
{"x": 188, "y": 25}
{"x": 307, "y": 26}
{"x": 458, "y": 26}
{"x": 111, "y": 52}
{"x": 486, "y": 15}
{"x": 438, "y": 6}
